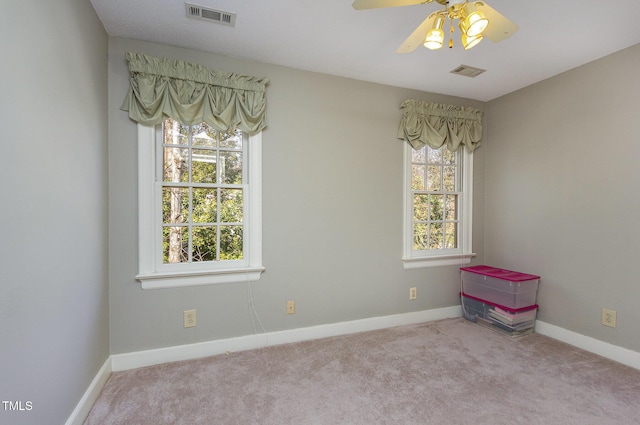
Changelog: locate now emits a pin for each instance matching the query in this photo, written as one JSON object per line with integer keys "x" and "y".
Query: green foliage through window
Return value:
{"x": 435, "y": 183}
{"x": 202, "y": 193}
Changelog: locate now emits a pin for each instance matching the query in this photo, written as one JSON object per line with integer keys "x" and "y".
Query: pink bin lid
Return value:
{"x": 500, "y": 273}
{"x": 509, "y": 309}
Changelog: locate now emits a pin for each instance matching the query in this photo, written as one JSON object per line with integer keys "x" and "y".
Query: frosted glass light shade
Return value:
{"x": 474, "y": 23}
{"x": 435, "y": 36}
{"x": 469, "y": 42}
{"x": 434, "y": 39}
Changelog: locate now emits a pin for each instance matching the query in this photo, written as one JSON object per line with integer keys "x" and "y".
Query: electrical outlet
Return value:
{"x": 609, "y": 317}
{"x": 412, "y": 293}
{"x": 291, "y": 307}
{"x": 189, "y": 318}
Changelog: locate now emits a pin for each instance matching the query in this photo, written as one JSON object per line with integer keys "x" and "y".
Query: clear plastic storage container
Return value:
{"x": 512, "y": 322}
{"x": 499, "y": 286}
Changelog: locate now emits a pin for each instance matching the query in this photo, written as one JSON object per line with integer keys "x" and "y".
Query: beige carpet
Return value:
{"x": 447, "y": 372}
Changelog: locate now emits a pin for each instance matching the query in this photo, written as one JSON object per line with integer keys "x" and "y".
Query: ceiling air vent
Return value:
{"x": 211, "y": 15}
{"x": 467, "y": 71}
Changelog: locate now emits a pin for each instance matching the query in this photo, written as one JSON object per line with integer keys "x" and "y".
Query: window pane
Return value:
{"x": 448, "y": 157}
{"x": 204, "y": 135}
{"x": 420, "y": 207}
{"x": 175, "y": 205}
{"x": 176, "y": 165}
{"x": 232, "y": 167}
{"x": 449, "y": 179}
{"x": 204, "y": 166}
{"x": 231, "y": 242}
{"x": 232, "y": 140}
{"x": 204, "y": 243}
{"x": 420, "y": 237}
{"x": 435, "y": 236}
{"x": 433, "y": 178}
{"x": 452, "y": 207}
{"x": 451, "y": 235}
{"x": 436, "y": 207}
{"x": 231, "y": 205}
{"x": 205, "y": 205}
{"x": 175, "y": 244}
{"x": 174, "y": 133}
{"x": 417, "y": 177}
{"x": 435, "y": 156}
{"x": 418, "y": 156}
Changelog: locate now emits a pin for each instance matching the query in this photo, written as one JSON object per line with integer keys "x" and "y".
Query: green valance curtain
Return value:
{"x": 191, "y": 94}
{"x": 435, "y": 125}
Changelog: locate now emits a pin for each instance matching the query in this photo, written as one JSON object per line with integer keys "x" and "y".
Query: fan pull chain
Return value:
{"x": 451, "y": 33}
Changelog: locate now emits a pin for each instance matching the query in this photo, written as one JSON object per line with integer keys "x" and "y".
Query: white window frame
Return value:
{"x": 152, "y": 273}
{"x": 462, "y": 255}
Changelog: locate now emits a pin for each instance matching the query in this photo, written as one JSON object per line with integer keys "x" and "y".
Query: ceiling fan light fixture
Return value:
{"x": 469, "y": 42}
{"x": 473, "y": 22}
{"x": 435, "y": 36}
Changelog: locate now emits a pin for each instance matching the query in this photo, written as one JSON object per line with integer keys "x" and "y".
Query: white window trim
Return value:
{"x": 412, "y": 259}
{"x": 150, "y": 273}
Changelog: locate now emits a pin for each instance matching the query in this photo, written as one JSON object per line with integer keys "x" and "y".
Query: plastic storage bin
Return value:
{"x": 499, "y": 286}
{"x": 512, "y": 322}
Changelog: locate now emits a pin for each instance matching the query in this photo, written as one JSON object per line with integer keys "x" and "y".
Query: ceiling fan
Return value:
{"x": 476, "y": 21}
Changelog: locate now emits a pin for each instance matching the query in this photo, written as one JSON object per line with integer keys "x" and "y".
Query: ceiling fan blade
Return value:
{"x": 377, "y": 4}
{"x": 417, "y": 37}
{"x": 500, "y": 28}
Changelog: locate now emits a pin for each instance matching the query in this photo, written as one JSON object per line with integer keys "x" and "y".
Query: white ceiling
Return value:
{"x": 329, "y": 36}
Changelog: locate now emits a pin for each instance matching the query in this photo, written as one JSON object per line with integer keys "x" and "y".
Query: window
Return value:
{"x": 437, "y": 207}
{"x": 199, "y": 205}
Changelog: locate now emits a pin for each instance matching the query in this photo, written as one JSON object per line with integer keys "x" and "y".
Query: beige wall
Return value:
{"x": 332, "y": 212}
{"x": 562, "y": 182}
{"x": 53, "y": 251}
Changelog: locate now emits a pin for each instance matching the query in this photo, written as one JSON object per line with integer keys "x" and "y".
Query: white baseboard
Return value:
{"x": 192, "y": 351}
{"x": 604, "y": 349}
{"x": 90, "y": 396}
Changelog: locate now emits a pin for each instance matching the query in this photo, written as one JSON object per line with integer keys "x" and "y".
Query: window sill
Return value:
{"x": 436, "y": 261}
{"x": 198, "y": 278}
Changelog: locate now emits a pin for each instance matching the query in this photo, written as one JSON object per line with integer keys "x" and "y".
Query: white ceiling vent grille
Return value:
{"x": 467, "y": 71}
{"x": 211, "y": 15}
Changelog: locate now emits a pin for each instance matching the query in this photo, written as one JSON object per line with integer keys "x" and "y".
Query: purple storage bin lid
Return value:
{"x": 503, "y": 274}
